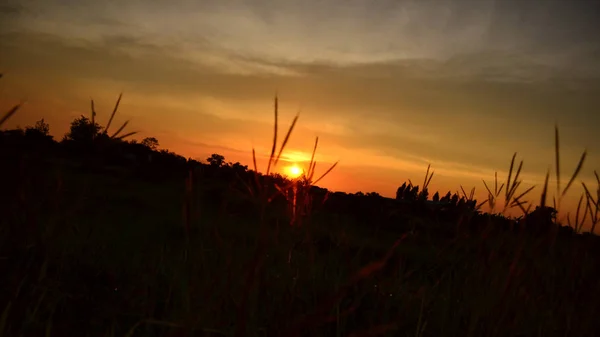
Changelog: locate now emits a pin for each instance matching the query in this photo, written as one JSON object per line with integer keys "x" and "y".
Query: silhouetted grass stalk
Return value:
{"x": 593, "y": 205}
{"x": 115, "y": 135}
{"x": 557, "y": 201}
{"x": 265, "y": 197}
{"x": 426, "y": 182}
{"x": 512, "y": 199}
{"x": 10, "y": 112}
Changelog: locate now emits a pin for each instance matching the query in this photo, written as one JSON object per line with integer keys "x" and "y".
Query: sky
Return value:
{"x": 388, "y": 86}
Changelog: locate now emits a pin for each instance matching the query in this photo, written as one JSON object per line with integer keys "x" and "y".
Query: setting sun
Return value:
{"x": 294, "y": 171}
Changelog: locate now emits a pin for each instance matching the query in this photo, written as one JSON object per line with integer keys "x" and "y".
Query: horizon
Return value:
{"x": 389, "y": 88}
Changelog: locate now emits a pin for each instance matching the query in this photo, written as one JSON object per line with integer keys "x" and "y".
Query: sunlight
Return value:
{"x": 294, "y": 171}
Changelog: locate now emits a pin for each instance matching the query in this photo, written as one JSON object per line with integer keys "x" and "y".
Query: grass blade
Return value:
{"x": 524, "y": 193}
{"x": 93, "y": 112}
{"x": 510, "y": 170}
{"x": 10, "y": 113}
{"x": 120, "y": 129}
{"x": 286, "y": 139}
{"x": 126, "y": 135}
{"x": 576, "y": 173}
{"x": 557, "y": 157}
{"x": 429, "y": 180}
{"x": 274, "y": 147}
{"x": 486, "y": 187}
{"x": 577, "y": 225}
{"x": 426, "y": 176}
{"x": 312, "y": 165}
{"x": 112, "y": 115}
{"x": 545, "y": 190}
{"x": 326, "y": 172}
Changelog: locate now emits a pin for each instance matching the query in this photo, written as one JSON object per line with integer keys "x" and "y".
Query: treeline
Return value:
{"x": 233, "y": 186}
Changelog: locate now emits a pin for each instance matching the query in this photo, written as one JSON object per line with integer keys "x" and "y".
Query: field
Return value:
{"x": 97, "y": 243}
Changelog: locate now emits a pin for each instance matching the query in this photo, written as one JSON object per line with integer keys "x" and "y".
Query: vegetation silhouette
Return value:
{"x": 109, "y": 236}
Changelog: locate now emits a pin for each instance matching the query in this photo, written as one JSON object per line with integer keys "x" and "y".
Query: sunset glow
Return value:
{"x": 387, "y": 88}
{"x": 294, "y": 171}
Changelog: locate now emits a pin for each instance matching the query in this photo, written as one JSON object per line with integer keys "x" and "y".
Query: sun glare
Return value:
{"x": 294, "y": 171}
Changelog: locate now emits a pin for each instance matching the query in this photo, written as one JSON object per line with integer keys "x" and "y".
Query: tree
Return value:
{"x": 216, "y": 160}
{"x": 39, "y": 132}
{"x": 83, "y": 131}
{"x": 237, "y": 167}
{"x": 541, "y": 219}
{"x": 150, "y": 142}
{"x": 41, "y": 128}
{"x": 436, "y": 197}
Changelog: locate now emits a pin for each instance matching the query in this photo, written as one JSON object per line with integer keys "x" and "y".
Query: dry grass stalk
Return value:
{"x": 115, "y": 135}
{"x": 308, "y": 177}
{"x": 274, "y": 156}
{"x": 493, "y": 197}
{"x": 593, "y": 204}
{"x": 561, "y": 194}
{"x": 112, "y": 115}
{"x": 10, "y": 112}
{"x": 512, "y": 185}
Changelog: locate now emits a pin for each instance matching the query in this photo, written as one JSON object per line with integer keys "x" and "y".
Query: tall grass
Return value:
{"x": 305, "y": 182}
{"x": 593, "y": 205}
{"x": 512, "y": 199}
{"x": 116, "y": 135}
{"x": 247, "y": 276}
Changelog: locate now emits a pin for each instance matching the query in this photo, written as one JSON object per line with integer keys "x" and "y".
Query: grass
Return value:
{"x": 92, "y": 254}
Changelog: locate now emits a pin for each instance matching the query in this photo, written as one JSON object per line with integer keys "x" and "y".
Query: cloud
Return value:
{"x": 461, "y": 38}
{"x": 392, "y": 84}
{"x": 405, "y": 108}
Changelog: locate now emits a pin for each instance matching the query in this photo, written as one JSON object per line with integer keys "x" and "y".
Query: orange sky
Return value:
{"x": 388, "y": 88}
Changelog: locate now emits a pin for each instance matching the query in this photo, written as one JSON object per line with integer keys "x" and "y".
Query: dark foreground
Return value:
{"x": 114, "y": 252}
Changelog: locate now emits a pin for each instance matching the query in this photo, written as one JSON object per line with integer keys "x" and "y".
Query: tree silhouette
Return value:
{"x": 541, "y": 219}
{"x": 216, "y": 160}
{"x": 151, "y": 143}
{"x": 83, "y": 131}
{"x": 41, "y": 128}
{"x": 38, "y": 135}
{"x": 436, "y": 197}
{"x": 237, "y": 167}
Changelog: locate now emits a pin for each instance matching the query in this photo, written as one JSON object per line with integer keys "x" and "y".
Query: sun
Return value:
{"x": 294, "y": 171}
